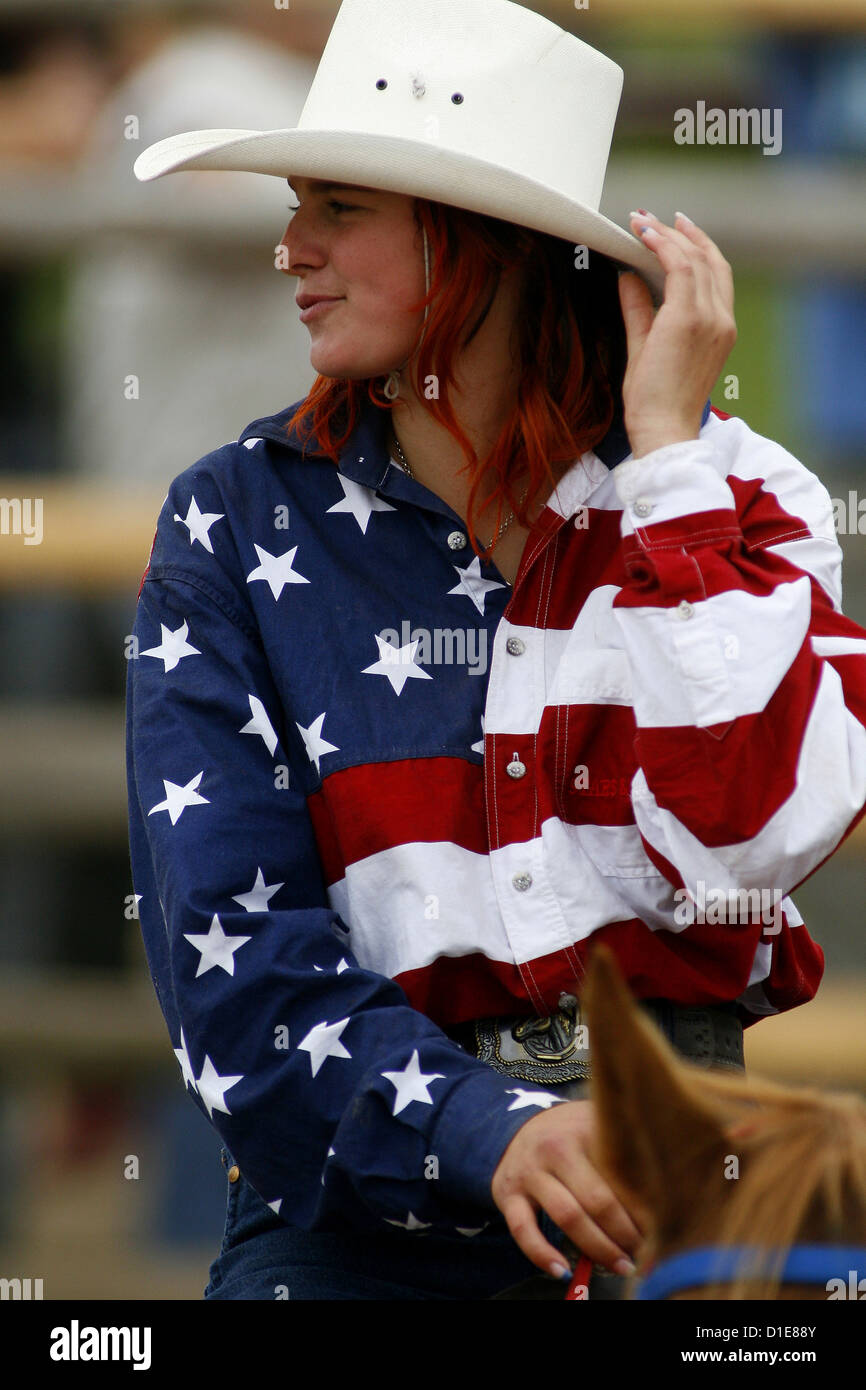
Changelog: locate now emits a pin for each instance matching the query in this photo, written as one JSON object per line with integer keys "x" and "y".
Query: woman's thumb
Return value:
{"x": 637, "y": 310}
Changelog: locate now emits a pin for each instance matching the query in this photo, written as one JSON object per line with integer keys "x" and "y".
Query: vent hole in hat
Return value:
{"x": 381, "y": 84}
{"x": 457, "y": 98}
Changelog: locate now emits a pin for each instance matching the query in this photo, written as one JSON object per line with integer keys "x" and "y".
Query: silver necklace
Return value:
{"x": 503, "y": 527}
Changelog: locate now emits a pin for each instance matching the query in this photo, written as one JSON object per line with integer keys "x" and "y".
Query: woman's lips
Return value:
{"x": 318, "y": 308}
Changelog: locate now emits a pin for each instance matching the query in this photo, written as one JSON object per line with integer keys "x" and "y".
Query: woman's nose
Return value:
{"x": 299, "y": 248}
{"x": 283, "y": 257}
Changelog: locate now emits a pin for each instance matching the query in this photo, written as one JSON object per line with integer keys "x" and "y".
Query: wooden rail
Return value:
{"x": 768, "y": 213}
{"x": 723, "y": 14}
{"x": 94, "y": 540}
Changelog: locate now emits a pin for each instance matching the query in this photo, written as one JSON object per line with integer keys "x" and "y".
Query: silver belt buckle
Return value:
{"x": 552, "y": 1049}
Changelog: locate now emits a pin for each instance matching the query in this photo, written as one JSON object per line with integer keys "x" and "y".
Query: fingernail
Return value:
{"x": 624, "y": 1266}
{"x": 559, "y": 1271}
{"x": 645, "y": 231}
{"x": 683, "y": 218}
{"x": 641, "y": 212}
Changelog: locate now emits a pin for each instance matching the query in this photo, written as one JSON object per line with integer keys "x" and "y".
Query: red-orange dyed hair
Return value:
{"x": 571, "y": 341}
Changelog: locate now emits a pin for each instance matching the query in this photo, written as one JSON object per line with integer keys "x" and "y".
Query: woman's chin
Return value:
{"x": 346, "y": 366}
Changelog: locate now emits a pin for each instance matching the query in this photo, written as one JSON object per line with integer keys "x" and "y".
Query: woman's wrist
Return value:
{"x": 659, "y": 437}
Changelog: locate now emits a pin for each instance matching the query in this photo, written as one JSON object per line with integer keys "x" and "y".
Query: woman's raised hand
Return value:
{"x": 547, "y": 1166}
{"x": 675, "y": 355}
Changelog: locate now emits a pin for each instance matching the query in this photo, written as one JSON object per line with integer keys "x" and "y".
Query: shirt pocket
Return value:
{"x": 590, "y": 665}
{"x": 591, "y": 676}
{"x": 617, "y": 851}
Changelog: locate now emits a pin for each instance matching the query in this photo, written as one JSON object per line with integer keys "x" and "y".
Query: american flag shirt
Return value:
{"x": 374, "y": 791}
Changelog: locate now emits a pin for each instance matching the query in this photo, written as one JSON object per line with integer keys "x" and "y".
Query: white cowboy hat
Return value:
{"x": 481, "y": 104}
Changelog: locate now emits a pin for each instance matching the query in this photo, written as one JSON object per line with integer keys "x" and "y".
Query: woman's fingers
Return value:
{"x": 577, "y": 1174}
{"x": 522, "y": 1221}
{"x": 724, "y": 275}
{"x": 573, "y": 1219}
{"x": 547, "y": 1166}
{"x": 688, "y": 272}
{"x": 588, "y": 1222}
{"x": 686, "y": 249}
{"x": 673, "y": 366}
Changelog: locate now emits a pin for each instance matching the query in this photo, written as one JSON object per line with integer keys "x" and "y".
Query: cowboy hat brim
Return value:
{"x": 399, "y": 165}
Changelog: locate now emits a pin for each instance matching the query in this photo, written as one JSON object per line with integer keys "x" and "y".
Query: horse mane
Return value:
{"x": 802, "y": 1170}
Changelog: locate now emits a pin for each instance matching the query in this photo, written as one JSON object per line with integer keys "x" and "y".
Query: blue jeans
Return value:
{"x": 263, "y": 1258}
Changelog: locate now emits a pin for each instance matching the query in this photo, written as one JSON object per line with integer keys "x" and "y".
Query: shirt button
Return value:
{"x": 456, "y": 540}
{"x": 643, "y": 506}
{"x": 685, "y": 610}
{"x": 521, "y": 882}
{"x": 516, "y": 768}
{"x": 234, "y": 1173}
{"x": 515, "y": 646}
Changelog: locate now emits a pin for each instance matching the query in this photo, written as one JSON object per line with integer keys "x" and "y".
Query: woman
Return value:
{"x": 368, "y": 882}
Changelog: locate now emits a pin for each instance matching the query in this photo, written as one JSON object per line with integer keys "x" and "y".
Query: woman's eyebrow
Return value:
{"x": 319, "y": 186}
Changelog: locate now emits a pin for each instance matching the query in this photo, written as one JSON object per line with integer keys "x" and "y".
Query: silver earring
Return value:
{"x": 391, "y": 388}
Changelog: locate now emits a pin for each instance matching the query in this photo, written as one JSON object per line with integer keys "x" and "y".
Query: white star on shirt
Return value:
{"x": 525, "y": 1098}
{"x": 316, "y": 746}
{"x": 322, "y": 1042}
{"x": 411, "y": 1083}
{"x": 185, "y": 1064}
{"x": 342, "y": 965}
{"x": 412, "y": 1224}
{"x": 260, "y": 724}
{"x": 360, "y": 501}
{"x": 177, "y": 798}
{"x": 479, "y": 746}
{"x": 471, "y": 1230}
{"x": 397, "y": 663}
{"x": 212, "y": 1088}
{"x": 474, "y": 585}
{"x": 216, "y": 948}
{"x": 173, "y": 647}
{"x": 199, "y": 523}
{"x": 276, "y": 570}
{"x": 257, "y": 899}
{"x": 278, "y": 1202}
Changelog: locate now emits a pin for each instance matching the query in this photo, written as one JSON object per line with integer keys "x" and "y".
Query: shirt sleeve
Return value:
{"x": 341, "y": 1104}
{"x": 749, "y": 682}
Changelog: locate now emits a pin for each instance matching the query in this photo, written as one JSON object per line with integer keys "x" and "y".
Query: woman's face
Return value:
{"x": 363, "y": 247}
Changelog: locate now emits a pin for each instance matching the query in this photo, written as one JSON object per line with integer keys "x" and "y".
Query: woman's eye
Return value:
{"x": 332, "y": 203}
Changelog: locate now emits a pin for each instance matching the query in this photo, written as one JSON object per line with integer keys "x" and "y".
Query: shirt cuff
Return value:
{"x": 676, "y": 481}
{"x": 476, "y": 1126}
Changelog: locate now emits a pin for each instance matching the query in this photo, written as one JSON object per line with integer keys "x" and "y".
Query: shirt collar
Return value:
{"x": 366, "y": 459}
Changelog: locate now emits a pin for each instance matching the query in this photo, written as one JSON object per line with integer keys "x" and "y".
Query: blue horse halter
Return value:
{"x": 709, "y": 1264}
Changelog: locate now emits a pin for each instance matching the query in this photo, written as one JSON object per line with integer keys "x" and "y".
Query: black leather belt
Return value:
{"x": 556, "y": 1048}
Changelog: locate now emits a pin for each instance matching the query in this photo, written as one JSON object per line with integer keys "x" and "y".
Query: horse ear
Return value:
{"x": 653, "y": 1128}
